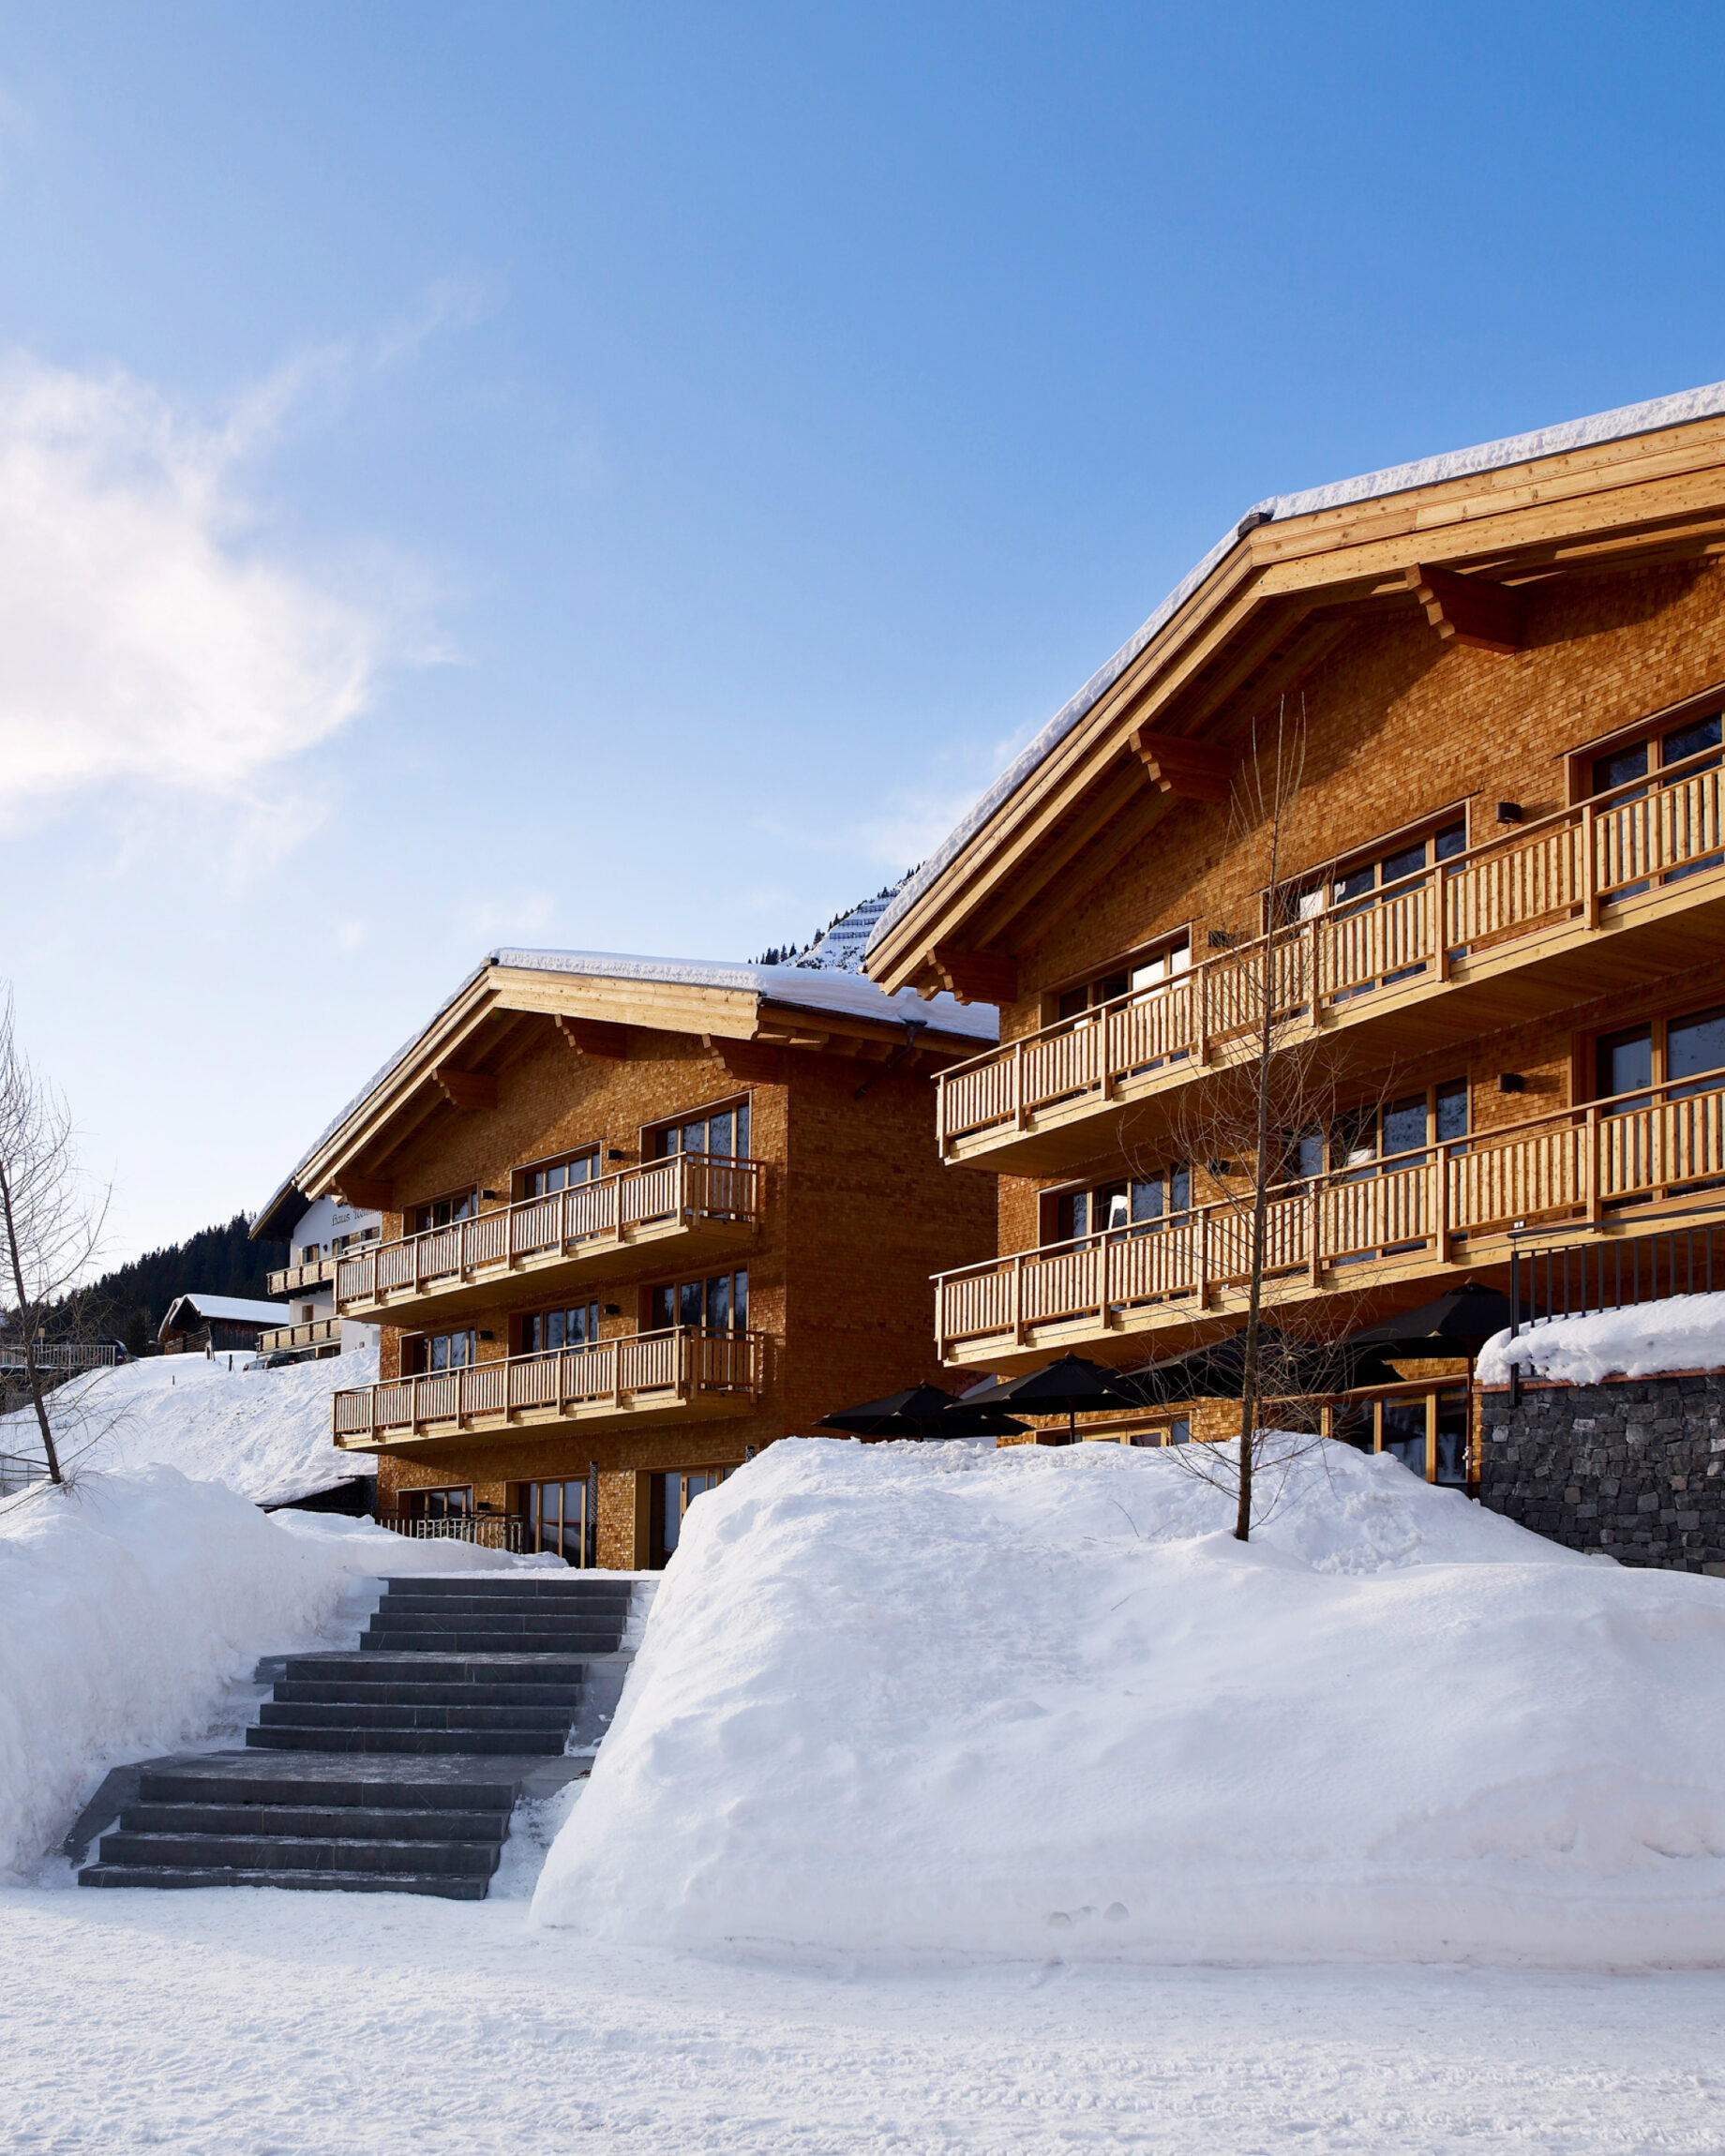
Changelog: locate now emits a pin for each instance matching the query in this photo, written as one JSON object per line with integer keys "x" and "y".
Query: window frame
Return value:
{"x": 411, "y": 1345}
{"x": 1578, "y": 763}
{"x": 1372, "y": 853}
{"x": 702, "y": 1112}
{"x": 520, "y": 1320}
{"x": 648, "y": 1319}
{"x": 443, "y": 1198}
{"x": 519, "y": 1177}
{"x": 1094, "y": 978}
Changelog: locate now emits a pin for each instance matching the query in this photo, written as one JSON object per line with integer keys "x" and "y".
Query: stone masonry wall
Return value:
{"x": 1633, "y": 1468}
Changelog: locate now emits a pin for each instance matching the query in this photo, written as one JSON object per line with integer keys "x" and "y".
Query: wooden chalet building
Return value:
{"x": 1502, "y": 930}
{"x": 639, "y": 1217}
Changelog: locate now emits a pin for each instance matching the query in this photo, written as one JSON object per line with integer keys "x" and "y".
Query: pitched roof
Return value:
{"x": 233, "y": 1308}
{"x": 1620, "y": 424}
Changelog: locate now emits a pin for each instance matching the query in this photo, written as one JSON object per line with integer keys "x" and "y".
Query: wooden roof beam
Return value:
{"x": 976, "y": 976}
{"x": 594, "y": 1037}
{"x": 1190, "y": 771}
{"x": 366, "y": 1193}
{"x": 1468, "y": 610}
{"x": 465, "y": 1090}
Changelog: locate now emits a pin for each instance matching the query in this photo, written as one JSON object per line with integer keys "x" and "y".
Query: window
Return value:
{"x": 722, "y": 1132}
{"x": 453, "y": 1503}
{"x": 1153, "y": 970}
{"x": 1140, "y": 1205}
{"x": 1427, "y": 1431}
{"x": 542, "y": 1332}
{"x": 721, "y": 1304}
{"x": 562, "y": 1517}
{"x": 1665, "y": 1052}
{"x": 1176, "y": 1431}
{"x": 551, "y": 1177}
{"x": 359, "y": 1236}
{"x": 1623, "y": 767}
{"x": 429, "y": 1352}
{"x": 1358, "y": 884}
{"x": 443, "y": 1212}
{"x": 1368, "y": 1142}
{"x": 672, "y": 1496}
{"x": 308, "y": 1254}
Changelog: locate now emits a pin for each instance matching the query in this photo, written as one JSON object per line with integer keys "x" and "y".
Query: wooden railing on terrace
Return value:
{"x": 310, "y": 1332}
{"x": 1565, "y": 868}
{"x": 680, "y": 1363}
{"x": 1577, "y": 1163}
{"x": 689, "y": 1188}
{"x": 309, "y": 1273}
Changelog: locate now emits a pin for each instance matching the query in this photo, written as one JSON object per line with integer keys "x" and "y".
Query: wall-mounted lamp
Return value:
{"x": 485, "y": 1335}
{"x": 1508, "y": 812}
{"x": 615, "y": 1153}
{"x": 1511, "y": 1082}
{"x": 613, "y": 1309}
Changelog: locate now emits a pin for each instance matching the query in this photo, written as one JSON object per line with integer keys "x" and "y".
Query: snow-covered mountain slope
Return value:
{"x": 930, "y": 1700}
{"x": 263, "y": 1432}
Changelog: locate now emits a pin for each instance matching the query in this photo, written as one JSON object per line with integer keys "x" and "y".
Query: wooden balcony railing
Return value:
{"x": 313, "y": 1332}
{"x": 610, "y": 1211}
{"x": 1578, "y": 1163}
{"x": 311, "y": 1273}
{"x": 1564, "y": 869}
{"x": 638, "y": 1371}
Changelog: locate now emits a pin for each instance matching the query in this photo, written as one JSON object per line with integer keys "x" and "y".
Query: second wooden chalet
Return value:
{"x": 639, "y": 1217}
{"x": 1494, "y": 926}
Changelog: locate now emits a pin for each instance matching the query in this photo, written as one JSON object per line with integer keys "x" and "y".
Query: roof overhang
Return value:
{"x": 502, "y": 1010}
{"x": 1455, "y": 554}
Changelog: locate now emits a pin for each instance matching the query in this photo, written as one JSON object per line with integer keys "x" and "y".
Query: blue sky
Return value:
{"x": 627, "y": 478}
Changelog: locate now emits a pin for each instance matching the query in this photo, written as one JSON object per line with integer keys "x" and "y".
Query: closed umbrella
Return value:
{"x": 1071, "y": 1386}
{"x": 921, "y": 1411}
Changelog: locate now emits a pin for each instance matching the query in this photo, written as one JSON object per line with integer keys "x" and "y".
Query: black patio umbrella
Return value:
{"x": 921, "y": 1411}
{"x": 1457, "y": 1323}
{"x": 1071, "y": 1386}
{"x": 1292, "y": 1368}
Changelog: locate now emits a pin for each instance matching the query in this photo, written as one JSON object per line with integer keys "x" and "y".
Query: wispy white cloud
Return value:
{"x": 148, "y": 638}
{"x": 504, "y": 917}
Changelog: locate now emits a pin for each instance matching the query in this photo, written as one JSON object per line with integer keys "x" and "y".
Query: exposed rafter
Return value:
{"x": 1468, "y": 610}
{"x": 366, "y": 1193}
{"x": 594, "y": 1037}
{"x": 466, "y": 1089}
{"x": 976, "y": 976}
{"x": 1190, "y": 771}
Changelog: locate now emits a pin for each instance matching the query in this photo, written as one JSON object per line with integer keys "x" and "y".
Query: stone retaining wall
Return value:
{"x": 1632, "y": 1467}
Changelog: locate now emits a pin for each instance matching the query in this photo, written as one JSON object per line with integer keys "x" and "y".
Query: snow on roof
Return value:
{"x": 806, "y": 989}
{"x": 229, "y": 1306}
{"x": 1618, "y": 425}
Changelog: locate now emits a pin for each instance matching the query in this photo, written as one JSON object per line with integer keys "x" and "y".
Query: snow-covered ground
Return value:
{"x": 247, "y": 2023}
{"x": 130, "y": 1605}
{"x": 1647, "y": 1339}
{"x": 932, "y": 1700}
{"x": 263, "y": 1432}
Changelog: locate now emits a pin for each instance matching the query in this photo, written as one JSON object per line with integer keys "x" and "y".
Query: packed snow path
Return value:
{"x": 408, "y": 1756}
{"x": 251, "y": 2023}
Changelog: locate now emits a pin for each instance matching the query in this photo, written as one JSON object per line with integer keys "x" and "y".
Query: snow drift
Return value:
{"x": 934, "y": 1700}
{"x": 1647, "y": 1339}
{"x": 128, "y": 1605}
{"x": 263, "y": 1432}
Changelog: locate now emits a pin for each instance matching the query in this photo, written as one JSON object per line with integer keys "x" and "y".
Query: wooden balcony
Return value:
{"x": 1626, "y": 885}
{"x": 615, "y": 1225}
{"x": 1587, "y": 1172}
{"x": 617, "y": 1385}
{"x": 292, "y": 1280}
{"x": 315, "y": 1332}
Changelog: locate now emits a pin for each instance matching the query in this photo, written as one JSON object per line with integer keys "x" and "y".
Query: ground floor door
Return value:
{"x": 1426, "y": 1427}
{"x": 672, "y": 1496}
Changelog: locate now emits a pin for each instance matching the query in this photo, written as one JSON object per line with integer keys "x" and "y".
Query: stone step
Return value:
{"x": 593, "y": 1607}
{"x": 517, "y": 1742}
{"x": 519, "y": 1625}
{"x": 467, "y": 1639}
{"x": 556, "y": 1692}
{"x": 451, "y": 1886}
{"x": 297, "y": 1853}
{"x": 384, "y": 1665}
{"x": 349, "y": 1790}
{"x": 318, "y": 1822}
{"x": 377, "y": 1714}
{"x": 556, "y": 1586}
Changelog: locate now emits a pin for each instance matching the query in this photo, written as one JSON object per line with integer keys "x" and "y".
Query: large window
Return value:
{"x": 1658, "y": 753}
{"x": 443, "y": 1212}
{"x": 546, "y": 1178}
{"x": 1375, "y": 876}
{"x": 542, "y": 1332}
{"x": 723, "y": 1131}
{"x": 562, "y": 1517}
{"x": 1426, "y": 1429}
{"x": 720, "y": 1303}
{"x": 1141, "y": 1203}
{"x": 455, "y": 1502}
{"x": 1151, "y": 972}
{"x": 429, "y": 1352}
{"x": 672, "y": 1496}
{"x": 1664, "y": 1051}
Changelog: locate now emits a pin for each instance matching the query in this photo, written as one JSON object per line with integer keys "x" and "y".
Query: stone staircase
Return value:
{"x": 410, "y": 1753}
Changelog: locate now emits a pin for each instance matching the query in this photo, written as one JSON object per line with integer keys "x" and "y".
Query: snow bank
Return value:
{"x": 1645, "y": 1340}
{"x": 930, "y": 1700}
{"x": 130, "y": 1604}
{"x": 263, "y": 1432}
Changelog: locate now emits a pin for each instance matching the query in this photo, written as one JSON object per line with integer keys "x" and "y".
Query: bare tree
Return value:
{"x": 1258, "y": 1130}
{"x": 51, "y": 1226}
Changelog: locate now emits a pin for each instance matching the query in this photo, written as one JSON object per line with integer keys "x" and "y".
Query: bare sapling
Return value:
{"x": 51, "y": 1229}
{"x": 1256, "y": 1132}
